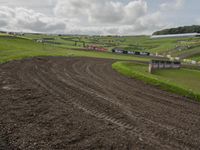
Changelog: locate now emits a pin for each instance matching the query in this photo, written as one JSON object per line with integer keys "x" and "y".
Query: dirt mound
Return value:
{"x": 81, "y": 103}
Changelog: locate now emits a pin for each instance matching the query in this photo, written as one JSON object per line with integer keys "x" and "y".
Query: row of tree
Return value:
{"x": 179, "y": 30}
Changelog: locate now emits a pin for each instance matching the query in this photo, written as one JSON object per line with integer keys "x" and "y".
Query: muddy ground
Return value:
{"x": 81, "y": 103}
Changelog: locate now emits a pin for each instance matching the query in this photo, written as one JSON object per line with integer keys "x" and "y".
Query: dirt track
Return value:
{"x": 81, "y": 103}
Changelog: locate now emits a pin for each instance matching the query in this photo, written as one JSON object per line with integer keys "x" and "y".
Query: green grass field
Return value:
{"x": 185, "y": 82}
{"x": 13, "y": 48}
{"x": 186, "y": 78}
{"x": 133, "y": 43}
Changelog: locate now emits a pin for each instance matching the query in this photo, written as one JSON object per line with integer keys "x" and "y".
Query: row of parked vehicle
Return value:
{"x": 121, "y": 51}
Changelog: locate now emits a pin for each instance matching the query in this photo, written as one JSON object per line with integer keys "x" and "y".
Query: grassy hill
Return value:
{"x": 179, "y": 30}
{"x": 183, "y": 47}
{"x": 178, "y": 47}
{"x": 12, "y": 48}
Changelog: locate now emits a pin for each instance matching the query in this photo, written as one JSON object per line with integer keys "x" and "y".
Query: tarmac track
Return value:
{"x": 81, "y": 103}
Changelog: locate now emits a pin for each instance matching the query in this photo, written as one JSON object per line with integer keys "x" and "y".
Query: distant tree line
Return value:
{"x": 179, "y": 30}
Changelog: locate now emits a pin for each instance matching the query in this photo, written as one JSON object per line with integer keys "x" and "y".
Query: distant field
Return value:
{"x": 173, "y": 46}
{"x": 188, "y": 53}
{"x": 185, "y": 82}
{"x": 12, "y": 48}
{"x": 139, "y": 43}
{"x": 179, "y": 47}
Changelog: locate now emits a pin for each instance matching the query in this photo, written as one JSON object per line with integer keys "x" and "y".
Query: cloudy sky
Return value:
{"x": 122, "y": 17}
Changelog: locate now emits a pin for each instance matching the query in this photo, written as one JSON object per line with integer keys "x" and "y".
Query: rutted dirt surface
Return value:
{"x": 81, "y": 103}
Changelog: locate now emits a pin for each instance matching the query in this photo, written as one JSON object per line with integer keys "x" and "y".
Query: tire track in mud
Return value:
{"x": 55, "y": 90}
{"x": 124, "y": 125}
{"x": 180, "y": 132}
{"x": 95, "y": 93}
{"x": 39, "y": 79}
{"x": 145, "y": 95}
{"x": 151, "y": 95}
{"x": 86, "y": 108}
{"x": 147, "y": 114}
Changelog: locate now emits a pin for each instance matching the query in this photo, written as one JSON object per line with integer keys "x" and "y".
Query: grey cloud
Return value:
{"x": 81, "y": 16}
{"x": 108, "y": 16}
{"x": 105, "y": 11}
{"x": 28, "y": 20}
{"x": 172, "y": 5}
{"x": 3, "y": 23}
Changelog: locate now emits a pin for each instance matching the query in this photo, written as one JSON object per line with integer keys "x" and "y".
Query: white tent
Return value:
{"x": 175, "y": 35}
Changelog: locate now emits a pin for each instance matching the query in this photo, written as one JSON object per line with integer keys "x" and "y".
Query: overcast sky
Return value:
{"x": 122, "y": 17}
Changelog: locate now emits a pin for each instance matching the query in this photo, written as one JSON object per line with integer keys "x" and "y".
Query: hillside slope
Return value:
{"x": 179, "y": 30}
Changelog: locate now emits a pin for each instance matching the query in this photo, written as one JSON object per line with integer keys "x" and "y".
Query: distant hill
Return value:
{"x": 179, "y": 30}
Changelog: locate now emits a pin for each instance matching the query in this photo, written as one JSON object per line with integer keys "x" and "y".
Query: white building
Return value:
{"x": 176, "y": 35}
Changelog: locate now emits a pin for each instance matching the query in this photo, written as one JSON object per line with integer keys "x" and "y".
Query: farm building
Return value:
{"x": 189, "y": 35}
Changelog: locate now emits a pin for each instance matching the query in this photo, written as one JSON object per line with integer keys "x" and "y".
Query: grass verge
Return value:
{"x": 140, "y": 71}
